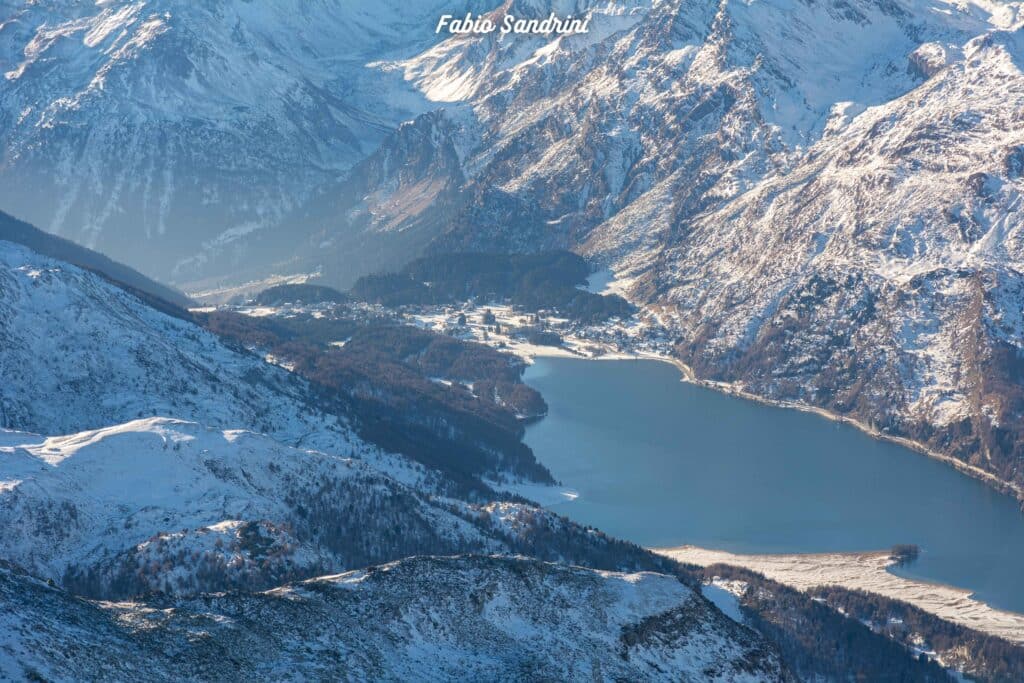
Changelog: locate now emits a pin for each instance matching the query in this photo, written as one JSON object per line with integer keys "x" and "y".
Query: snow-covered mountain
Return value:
{"x": 461, "y": 618}
{"x": 883, "y": 274}
{"x": 78, "y": 353}
{"x": 162, "y": 133}
{"x": 161, "y": 504}
{"x": 84, "y": 358}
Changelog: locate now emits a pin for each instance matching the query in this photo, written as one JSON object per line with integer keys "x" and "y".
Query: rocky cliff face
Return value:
{"x": 387, "y": 209}
{"x": 882, "y": 275}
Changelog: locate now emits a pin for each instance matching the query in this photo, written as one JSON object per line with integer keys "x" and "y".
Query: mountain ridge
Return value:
{"x": 20, "y": 232}
{"x": 480, "y": 617}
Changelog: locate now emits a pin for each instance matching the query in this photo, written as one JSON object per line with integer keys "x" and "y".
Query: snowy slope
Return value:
{"x": 459, "y": 618}
{"x": 78, "y": 353}
{"x": 161, "y": 504}
{"x": 892, "y": 255}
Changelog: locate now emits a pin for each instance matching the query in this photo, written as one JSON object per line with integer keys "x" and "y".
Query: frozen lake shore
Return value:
{"x": 866, "y": 571}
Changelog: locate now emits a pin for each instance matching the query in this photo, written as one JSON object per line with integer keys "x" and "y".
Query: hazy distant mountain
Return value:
{"x": 19, "y": 232}
{"x": 163, "y": 133}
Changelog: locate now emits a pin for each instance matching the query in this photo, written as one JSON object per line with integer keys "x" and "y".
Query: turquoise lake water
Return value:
{"x": 661, "y": 462}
